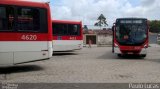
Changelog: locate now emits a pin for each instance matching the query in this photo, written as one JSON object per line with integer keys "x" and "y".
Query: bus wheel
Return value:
{"x": 119, "y": 55}
{"x": 143, "y": 55}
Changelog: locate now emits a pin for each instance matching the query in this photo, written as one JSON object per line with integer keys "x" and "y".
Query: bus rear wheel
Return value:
{"x": 119, "y": 55}
{"x": 143, "y": 55}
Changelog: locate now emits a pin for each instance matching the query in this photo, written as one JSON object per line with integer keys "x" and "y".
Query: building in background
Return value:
{"x": 99, "y": 37}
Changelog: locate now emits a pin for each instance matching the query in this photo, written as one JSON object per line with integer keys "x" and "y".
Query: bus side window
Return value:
{"x": 59, "y": 29}
{"x": 28, "y": 20}
{"x": 6, "y": 18}
{"x": 2, "y": 17}
{"x": 74, "y": 30}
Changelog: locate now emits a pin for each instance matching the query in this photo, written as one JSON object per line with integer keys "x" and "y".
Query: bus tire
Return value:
{"x": 119, "y": 55}
{"x": 143, "y": 55}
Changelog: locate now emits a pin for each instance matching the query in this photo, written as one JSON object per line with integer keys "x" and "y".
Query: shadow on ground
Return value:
{"x": 111, "y": 56}
{"x": 63, "y": 53}
{"x": 18, "y": 69}
{"x": 131, "y": 57}
{"x": 154, "y": 60}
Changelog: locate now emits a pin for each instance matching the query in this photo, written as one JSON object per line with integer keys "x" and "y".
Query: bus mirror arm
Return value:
{"x": 112, "y": 28}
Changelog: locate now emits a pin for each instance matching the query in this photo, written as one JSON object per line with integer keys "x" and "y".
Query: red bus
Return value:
{"x": 25, "y": 32}
{"x": 130, "y": 36}
{"x": 67, "y": 35}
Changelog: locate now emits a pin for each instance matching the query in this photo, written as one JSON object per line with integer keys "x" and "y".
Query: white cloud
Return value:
{"x": 146, "y": 9}
{"x": 147, "y": 2}
{"x": 89, "y": 10}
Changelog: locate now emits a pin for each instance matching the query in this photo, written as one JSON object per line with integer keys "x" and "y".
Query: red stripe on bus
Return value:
{"x": 24, "y": 3}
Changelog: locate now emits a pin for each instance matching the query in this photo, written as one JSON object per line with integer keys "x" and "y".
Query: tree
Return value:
{"x": 154, "y": 26}
{"x": 101, "y": 21}
{"x": 85, "y": 27}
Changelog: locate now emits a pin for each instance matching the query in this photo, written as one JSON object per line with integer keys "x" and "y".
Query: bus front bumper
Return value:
{"x": 118, "y": 51}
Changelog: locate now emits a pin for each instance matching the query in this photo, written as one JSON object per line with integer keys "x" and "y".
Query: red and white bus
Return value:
{"x": 25, "y": 32}
{"x": 130, "y": 36}
{"x": 67, "y": 35}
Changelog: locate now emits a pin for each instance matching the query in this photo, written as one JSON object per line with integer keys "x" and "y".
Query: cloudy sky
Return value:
{"x": 88, "y": 10}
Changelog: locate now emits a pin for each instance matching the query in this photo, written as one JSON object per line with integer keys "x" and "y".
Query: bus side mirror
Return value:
{"x": 112, "y": 28}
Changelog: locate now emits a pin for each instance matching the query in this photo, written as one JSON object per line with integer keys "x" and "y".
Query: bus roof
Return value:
{"x": 24, "y": 3}
{"x": 66, "y": 21}
{"x": 131, "y": 18}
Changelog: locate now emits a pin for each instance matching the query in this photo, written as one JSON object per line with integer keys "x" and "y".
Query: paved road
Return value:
{"x": 95, "y": 65}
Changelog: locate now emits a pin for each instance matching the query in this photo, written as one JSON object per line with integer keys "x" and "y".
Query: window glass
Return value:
{"x": 131, "y": 34}
{"x": 28, "y": 20}
{"x": 59, "y": 29}
{"x": 66, "y": 29}
{"x": 6, "y": 18}
{"x": 74, "y": 29}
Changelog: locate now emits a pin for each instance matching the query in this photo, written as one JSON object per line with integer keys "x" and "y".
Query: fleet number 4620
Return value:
{"x": 29, "y": 37}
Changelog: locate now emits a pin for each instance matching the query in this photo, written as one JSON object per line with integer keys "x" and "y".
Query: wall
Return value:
{"x": 104, "y": 40}
{"x": 100, "y": 39}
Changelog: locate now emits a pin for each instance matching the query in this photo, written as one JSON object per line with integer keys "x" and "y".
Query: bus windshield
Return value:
{"x": 131, "y": 34}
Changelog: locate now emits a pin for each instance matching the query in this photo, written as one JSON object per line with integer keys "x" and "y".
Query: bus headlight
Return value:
{"x": 116, "y": 46}
{"x": 145, "y": 46}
